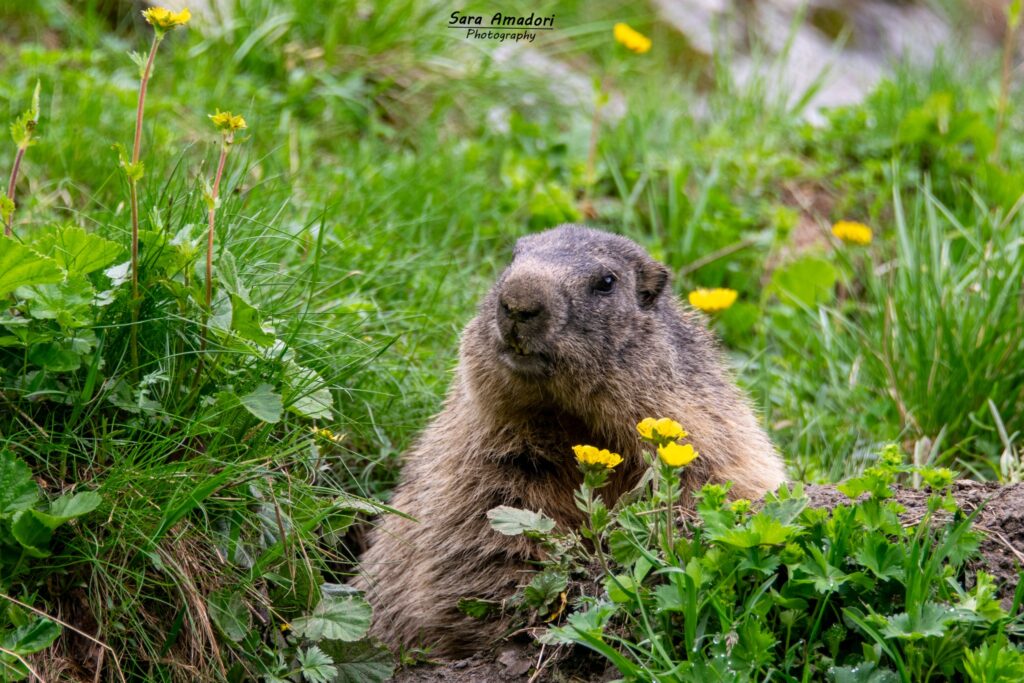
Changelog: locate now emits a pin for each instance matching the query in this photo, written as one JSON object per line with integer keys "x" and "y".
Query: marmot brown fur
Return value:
{"x": 577, "y": 342}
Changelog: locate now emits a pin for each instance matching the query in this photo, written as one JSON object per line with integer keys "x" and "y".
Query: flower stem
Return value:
{"x": 9, "y": 228}
{"x": 668, "y": 475}
{"x": 228, "y": 139}
{"x": 137, "y": 144}
{"x": 593, "y": 532}
{"x": 133, "y": 196}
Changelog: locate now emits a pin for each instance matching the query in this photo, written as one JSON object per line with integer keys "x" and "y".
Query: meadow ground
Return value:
{"x": 223, "y": 447}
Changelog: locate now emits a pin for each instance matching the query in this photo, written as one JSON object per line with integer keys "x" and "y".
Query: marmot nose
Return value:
{"x": 520, "y": 312}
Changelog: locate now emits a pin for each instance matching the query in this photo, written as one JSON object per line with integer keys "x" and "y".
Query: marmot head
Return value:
{"x": 573, "y": 313}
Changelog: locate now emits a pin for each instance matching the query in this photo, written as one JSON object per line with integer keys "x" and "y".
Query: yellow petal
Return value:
{"x": 646, "y": 427}
{"x": 669, "y": 428}
{"x": 676, "y": 455}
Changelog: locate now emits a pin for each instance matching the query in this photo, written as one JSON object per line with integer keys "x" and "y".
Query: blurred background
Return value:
{"x": 728, "y": 149}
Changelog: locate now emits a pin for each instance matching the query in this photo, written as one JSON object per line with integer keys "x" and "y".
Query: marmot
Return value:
{"x": 576, "y": 343}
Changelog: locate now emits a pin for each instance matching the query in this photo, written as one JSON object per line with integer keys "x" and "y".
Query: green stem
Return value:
{"x": 9, "y": 228}
{"x": 598, "y": 550}
{"x": 228, "y": 139}
{"x": 667, "y": 475}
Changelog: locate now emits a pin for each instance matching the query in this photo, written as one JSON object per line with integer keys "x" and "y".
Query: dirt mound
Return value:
{"x": 1001, "y": 517}
{"x": 1002, "y": 555}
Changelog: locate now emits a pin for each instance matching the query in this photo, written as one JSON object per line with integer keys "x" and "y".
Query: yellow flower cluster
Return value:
{"x": 852, "y": 232}
{"x": 712, "y": 300}
{"x": 227, "y": 122}
{"x": 631, "y": 38}
{"x": 664, "y": 427}
{"x": 589, "y": 455}
{"x": 164, "y": 19}
{"x": 664, "y": 432}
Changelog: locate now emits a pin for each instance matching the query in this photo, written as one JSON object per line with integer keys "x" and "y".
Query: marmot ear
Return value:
{"x": 650, "y": 282}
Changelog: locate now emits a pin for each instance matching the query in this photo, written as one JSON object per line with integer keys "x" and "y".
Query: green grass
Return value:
{"x": 368, "y": 206}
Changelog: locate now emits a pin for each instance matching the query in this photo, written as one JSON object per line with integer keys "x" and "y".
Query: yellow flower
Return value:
{"x": 852, "y": 233}
{"x": 712, "y": 300}
{"x": 675, "y": 455}
{"x": 662, "y": 428}
{"x": 328, "y": 435}
{"x": 646, "y": 427}
{"x": 669, "y": 428}
{"x": 164, "y": 19}
{"x": 632, "y": 39}
{"x": 227, "y": 122}
{"x": 589, "y": 455}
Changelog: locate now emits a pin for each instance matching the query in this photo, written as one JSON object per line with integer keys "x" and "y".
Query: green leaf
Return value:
{"x": 229, "y": 613}
{"x": 245, "y": 322}
{"x": 69, "y": 507}
{"x": 807, "y": 281}
{"x": 78, "y": 251}
{"x": 23, "y": 128}
{"x": 316, "y": 666}
{"x": 345, "y": 619}
{"x": 309, "y": 395}
{"x": 17, "y": 489}
{"x": 68, "y": 302}
{"x": 21, "y": 267}
{"x": 884, "y": 559}
{"x": 55, "y": 357}
{"x": 33, "y": 637}
{"x": 544, "y": 589}
{"x": 513, "y": 521}
{"x": 826, "y": 577}
{"x": 622, "y": 547}
{"x": 983, "y": 599}
{"x": 32, "y": 533}
{"x": 360, "y": 662}
{"x": 929, "y": 620}
{"x": 761, "y": 529}
{"x": 621, "y": 588}
{"x": 264, "y": 403}
{"x": 865, "y": 672}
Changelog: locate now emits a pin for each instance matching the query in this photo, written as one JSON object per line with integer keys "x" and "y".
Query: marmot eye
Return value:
{"x": 605, "y": 284}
